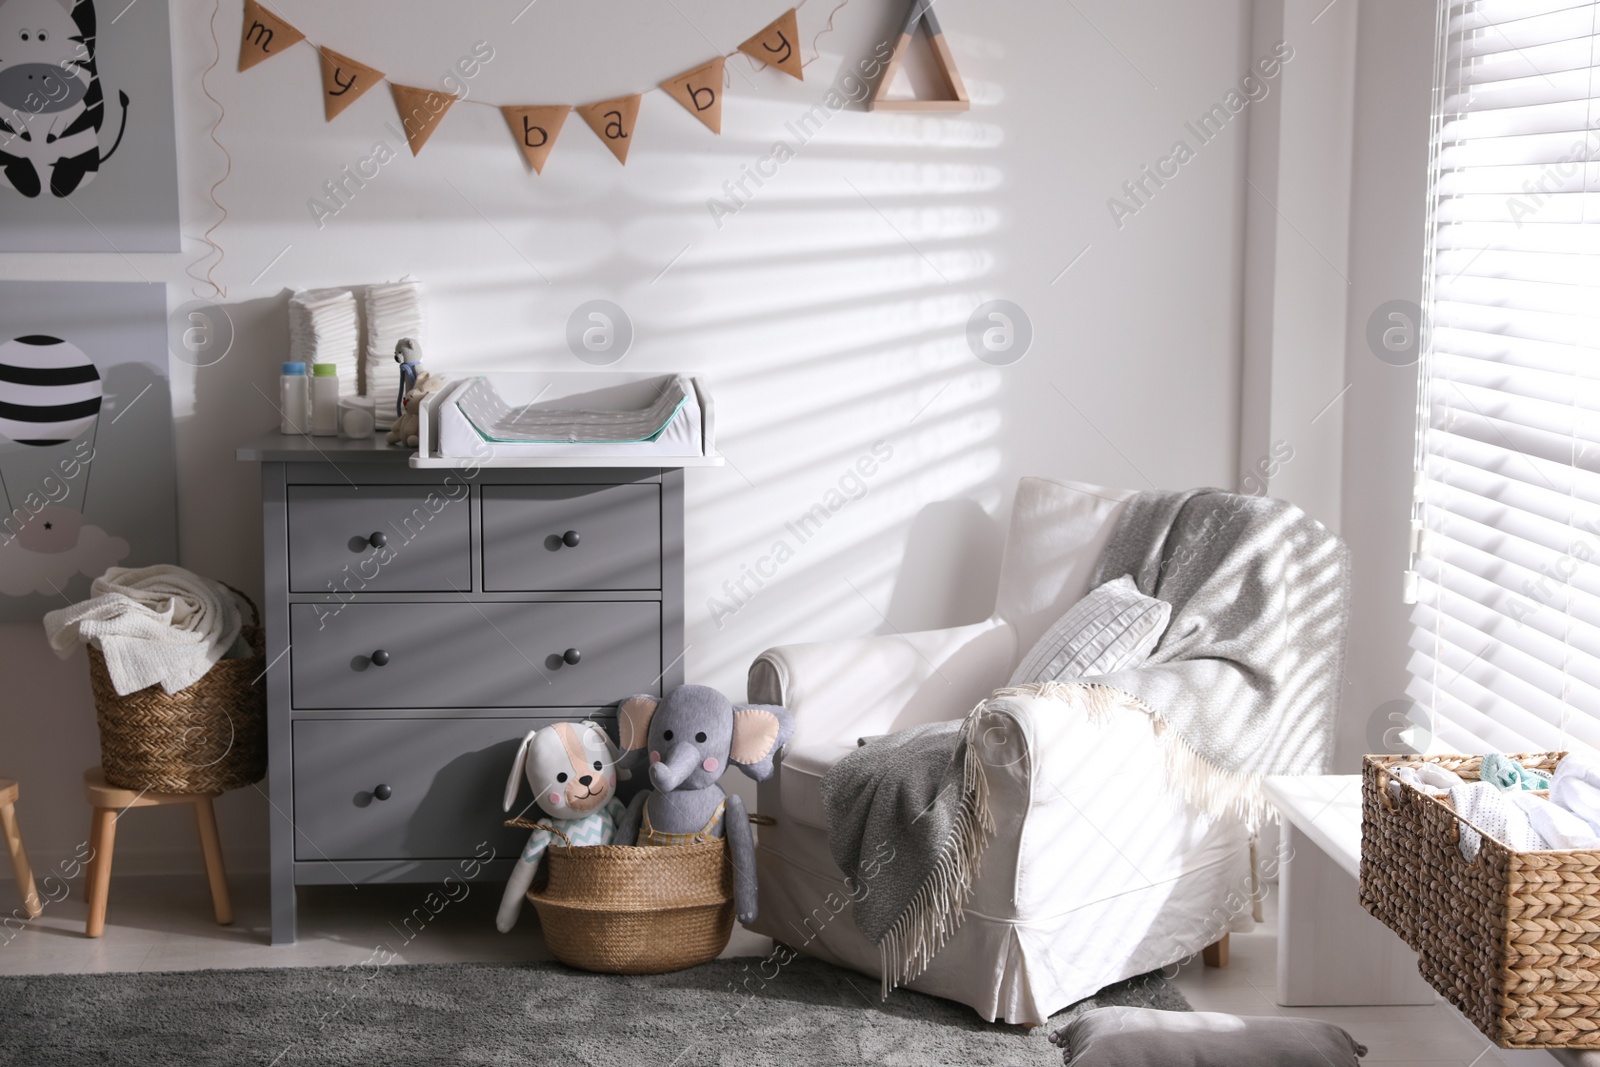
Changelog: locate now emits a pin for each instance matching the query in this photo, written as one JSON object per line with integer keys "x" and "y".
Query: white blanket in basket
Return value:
{"x": 154, "y": 625}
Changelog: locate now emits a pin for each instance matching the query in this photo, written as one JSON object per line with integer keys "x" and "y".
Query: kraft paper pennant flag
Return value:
{"x": 421, "y": 111}
{"x": 700, "y": 90}
{"x": 535, "y": 129}
{"x": 265, "y": 35}
{"x": 778, "y": 45}
{"x": 343, "y": 81}
{"x": 612, "y": 121}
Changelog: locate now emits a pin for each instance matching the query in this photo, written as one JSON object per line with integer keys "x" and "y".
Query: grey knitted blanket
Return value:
{"x": 1251, "y": 667}
{"x": 908, "y": 821}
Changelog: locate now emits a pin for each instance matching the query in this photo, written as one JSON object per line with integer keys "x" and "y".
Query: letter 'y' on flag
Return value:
{"x": 778, "y": 45}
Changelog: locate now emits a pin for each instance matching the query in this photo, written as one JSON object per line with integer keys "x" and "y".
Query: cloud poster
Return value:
{"x": 88, "y": 158}
{"x": 87, "y": 467}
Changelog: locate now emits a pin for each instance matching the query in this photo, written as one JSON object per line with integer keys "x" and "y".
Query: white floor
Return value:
{"x": 165, "y": 924}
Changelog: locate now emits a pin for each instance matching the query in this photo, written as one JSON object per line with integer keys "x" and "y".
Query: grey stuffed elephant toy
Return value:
{"x": 692, "y": 736}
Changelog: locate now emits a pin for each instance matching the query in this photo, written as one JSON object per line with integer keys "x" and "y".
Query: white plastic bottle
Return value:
{"x": 324, "y": 400}
{"x": 294, "y": 398}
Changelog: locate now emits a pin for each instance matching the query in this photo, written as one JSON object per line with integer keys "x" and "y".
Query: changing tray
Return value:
{"x": 568, "y": 418}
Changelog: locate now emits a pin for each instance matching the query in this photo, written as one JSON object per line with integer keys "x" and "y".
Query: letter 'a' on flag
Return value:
{"x": 421, "y": 111}
{"x": 343, "y": 81}
{"x": 700, "y": 90}
{"x": 612, "y": 121}
{"x": 535, "y": 129}
{"x": 265, "y": 35}
{"x": 778, "y": 45}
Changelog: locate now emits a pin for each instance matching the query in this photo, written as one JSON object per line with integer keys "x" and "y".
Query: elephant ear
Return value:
{"x": 759, "y": 731}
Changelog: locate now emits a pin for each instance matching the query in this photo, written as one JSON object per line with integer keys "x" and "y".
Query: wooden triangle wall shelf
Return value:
{"x": 955, "y": 92}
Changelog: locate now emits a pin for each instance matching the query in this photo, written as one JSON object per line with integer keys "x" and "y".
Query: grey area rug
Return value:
{"x": 542, "y": 1013}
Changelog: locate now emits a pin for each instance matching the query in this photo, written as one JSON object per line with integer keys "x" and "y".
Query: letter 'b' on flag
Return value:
{"x": 264, "y": 36}
{"x": 700, "y": 90}
{"x": 535, "y": 129}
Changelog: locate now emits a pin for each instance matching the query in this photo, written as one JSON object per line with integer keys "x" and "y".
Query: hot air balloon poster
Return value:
{"x": 86, "y": 445}
{"x": 88, "y": 158}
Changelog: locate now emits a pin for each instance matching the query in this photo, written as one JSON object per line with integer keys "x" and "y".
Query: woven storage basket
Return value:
{"x": 1512, "y": 939}
{"x": 208, "y": 738}
{"x": 627, "y": 909}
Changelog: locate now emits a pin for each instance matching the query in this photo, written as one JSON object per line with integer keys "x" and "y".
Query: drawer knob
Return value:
{"x": 383, "y": 792}
{"x": 572, "y": 656}
{"x": 380, "y": 658}
{"x": 571, "y": 538}
{"x": 378, "y": 539}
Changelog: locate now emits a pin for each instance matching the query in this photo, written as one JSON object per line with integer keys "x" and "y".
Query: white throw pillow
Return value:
{"x": 1113, "y": 628}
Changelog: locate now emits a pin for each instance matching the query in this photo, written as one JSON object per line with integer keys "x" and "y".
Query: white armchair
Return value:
{"x": 1097, "y": 872}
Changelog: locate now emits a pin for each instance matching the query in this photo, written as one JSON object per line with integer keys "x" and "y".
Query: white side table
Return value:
{"x": 1330, "y": 951}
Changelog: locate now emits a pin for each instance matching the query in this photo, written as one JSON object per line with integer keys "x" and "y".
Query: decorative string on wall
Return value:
{"x": 533, "y": 126}
{"x": 212, "y": 246}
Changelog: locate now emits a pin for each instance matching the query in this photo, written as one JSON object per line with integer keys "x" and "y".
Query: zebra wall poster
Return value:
{"x": 88, "y": 158}
{"x": 87, "y": 472}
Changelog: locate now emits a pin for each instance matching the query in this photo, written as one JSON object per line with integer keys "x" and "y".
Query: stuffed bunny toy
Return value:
{"x": 405, "y": 429}
{"x": 692, "y": 736}
{"x": 572, "y": 769}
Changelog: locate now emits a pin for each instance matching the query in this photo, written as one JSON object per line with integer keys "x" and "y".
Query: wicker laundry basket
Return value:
{"x": 208, "y": 738}
{"x": 628, "y": 909}
{"x": 1512, "y": 939}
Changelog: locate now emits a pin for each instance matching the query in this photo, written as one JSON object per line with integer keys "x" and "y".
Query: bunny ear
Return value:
{"x": 759, "y": 731}
{"x": 633, "y": 721}
{"x": 514, "y": 782}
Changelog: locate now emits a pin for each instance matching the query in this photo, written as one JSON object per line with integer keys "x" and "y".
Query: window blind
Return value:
{"x": 1505, "y": 571}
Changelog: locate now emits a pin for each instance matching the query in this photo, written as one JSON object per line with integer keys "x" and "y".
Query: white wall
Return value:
{"x": 823, "y": 327}
{"x": 1394, "y": 76}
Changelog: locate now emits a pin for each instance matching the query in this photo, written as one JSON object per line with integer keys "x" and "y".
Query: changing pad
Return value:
{"x": 497, "y": 421}
{"x": 584, "y": 418}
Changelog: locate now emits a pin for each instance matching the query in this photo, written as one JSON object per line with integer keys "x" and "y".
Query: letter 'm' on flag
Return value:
{"x": 264, "y": 36}
{"x": 700, "y": 90}
{"x": 778, "y": 45}
{"x": 535, "y": 129}
{"x": 421, "y": 111}
{"x": 612, "y": 121}
{"x": 343, "y": 81}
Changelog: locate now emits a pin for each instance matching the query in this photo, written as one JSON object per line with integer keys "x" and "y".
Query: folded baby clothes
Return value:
{"x": 1503, "y": 772}
{"x": 1430, "y": 778}
{"x": 1558, "y": 826}
{"x": 1576, "y": 787}
{"x": 1497, "y": 814}
{"x": 158, "y": 624}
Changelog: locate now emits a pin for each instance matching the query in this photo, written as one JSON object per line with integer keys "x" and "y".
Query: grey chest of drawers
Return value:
{"x": 420, "y": 622}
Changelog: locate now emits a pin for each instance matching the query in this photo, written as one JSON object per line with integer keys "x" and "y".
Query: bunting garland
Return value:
{"x": 534, "y": 127}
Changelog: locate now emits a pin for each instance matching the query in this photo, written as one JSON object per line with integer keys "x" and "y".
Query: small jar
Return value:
{"x": 355, "y": 418}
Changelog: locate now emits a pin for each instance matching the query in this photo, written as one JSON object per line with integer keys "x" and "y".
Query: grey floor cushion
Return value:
{"x": 1143, "y": 1037}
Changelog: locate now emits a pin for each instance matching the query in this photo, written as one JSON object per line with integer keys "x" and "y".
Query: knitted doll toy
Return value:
{"x": 572, "y": 769}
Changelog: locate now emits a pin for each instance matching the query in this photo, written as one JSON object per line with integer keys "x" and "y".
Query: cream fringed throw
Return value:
{"x": 908, "y": 822}
{"x": 1251, "y": 667}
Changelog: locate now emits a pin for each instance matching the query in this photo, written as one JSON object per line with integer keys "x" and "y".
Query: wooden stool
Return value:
{"x": 109, "y": 802}
{"x": 9, "y": 791}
